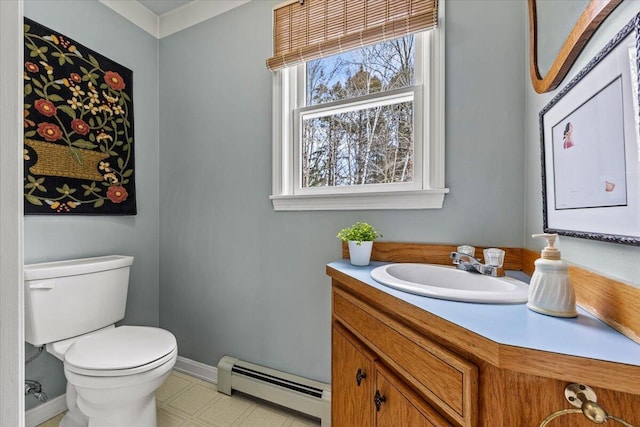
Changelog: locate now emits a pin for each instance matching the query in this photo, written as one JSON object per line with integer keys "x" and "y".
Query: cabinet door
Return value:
{"x": 352, "y": 378}
{"x": 397, "y": 405}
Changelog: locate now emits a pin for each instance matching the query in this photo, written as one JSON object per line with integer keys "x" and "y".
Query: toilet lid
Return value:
{"x": 121, "y": 348}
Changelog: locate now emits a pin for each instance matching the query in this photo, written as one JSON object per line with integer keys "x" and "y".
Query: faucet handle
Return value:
{"x": 467, "y": 250}
{"x": 494, "y": 257}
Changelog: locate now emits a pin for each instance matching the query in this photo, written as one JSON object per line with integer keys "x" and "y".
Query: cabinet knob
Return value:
{"x": 360, "y": 376}
{"x": 378, "y": 399}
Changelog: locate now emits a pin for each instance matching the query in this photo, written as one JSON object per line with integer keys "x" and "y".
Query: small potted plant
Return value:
{"x": 360, "y": 237}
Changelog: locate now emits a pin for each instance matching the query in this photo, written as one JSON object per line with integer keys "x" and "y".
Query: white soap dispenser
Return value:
{"x": 550, "y": 289}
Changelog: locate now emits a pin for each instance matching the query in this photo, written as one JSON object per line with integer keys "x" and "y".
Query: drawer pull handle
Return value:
{"x": 378, "y": 399}
{"x": 360, "y": 376}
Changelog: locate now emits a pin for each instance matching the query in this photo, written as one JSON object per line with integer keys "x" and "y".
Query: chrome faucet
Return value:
{"x": 464, "y": 260}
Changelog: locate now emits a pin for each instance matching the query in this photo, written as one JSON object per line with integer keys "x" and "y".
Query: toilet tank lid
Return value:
{"x": 73, "y": 267}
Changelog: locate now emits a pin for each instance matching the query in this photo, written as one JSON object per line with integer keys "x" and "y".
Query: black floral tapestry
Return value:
{"x": 78, "y": 128}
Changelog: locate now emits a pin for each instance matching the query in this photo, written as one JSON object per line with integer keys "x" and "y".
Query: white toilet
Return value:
{"x": 112, "y": 372}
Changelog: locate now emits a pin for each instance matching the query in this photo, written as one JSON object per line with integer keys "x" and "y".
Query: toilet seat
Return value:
{"x": 121, "y": 351}
{"x": 121, "y": 372}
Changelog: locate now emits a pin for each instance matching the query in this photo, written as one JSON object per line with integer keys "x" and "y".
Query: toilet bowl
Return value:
{"x": 112, "y": 372}
{"x": 112, "y": 375}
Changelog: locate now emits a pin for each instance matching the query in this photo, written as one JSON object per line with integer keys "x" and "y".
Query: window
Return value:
{"x": 355, "y": 128}
{"x": 362, "y": 129}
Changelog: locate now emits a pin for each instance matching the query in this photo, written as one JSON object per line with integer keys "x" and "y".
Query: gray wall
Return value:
{"x": 613, "y": 260}
{"x": 52, "y": 238}
{"x": 238, "y": 278}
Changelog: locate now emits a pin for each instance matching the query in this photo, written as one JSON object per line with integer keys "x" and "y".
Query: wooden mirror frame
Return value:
{"x": 588, "y": 22}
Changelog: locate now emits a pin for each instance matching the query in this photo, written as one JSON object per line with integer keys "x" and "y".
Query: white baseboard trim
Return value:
{"x": 197, "y": 369}
{"x": 45, "y": 411}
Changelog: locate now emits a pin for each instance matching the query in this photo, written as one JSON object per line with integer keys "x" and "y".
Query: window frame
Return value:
{"x": 427, "y": 191}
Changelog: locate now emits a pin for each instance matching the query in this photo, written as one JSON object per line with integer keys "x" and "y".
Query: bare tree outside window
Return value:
{"x": 369, "y": 142}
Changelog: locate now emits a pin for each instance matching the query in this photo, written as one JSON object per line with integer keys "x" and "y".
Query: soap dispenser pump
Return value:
{"x": 550, "y": 289}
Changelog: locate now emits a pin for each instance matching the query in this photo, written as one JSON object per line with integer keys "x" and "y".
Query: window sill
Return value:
{"x": 417, "y": 199}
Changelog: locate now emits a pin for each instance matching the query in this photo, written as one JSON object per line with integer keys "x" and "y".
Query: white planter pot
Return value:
{"x": 360, "y": 254}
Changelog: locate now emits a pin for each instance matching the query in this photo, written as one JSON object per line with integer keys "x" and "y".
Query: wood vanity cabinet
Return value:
{"x": 401, "y": 369}
{"x": 366, "y": 393}
{"x": 427, "y": 371}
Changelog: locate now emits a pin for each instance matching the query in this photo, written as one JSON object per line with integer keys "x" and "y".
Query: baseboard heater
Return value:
{"x": 291, "y": 391}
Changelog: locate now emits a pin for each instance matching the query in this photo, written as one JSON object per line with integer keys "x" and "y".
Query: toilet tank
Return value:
{"x": 64, "y": 299}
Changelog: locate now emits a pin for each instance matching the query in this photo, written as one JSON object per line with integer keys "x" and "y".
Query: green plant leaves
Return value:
{"x": 359, "y": 232}
{"x": 68, "y": 111}
{"x": 76, "y": 154}
{"x": 33, "y": 200}
{"x": 82, "y": 143}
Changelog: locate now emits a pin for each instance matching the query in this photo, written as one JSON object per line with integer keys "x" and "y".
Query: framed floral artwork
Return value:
{"x": 590, "y": 136}
{"x": 78, "y": 128}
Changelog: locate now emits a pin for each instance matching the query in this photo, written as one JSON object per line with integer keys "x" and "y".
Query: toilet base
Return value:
{"x": 114, "y": 402}
{"x": 74, "y": 417}
{"x": 141, "y": 413}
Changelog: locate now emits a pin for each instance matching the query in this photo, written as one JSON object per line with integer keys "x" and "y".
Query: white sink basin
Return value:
{"x": 444, "y": 282}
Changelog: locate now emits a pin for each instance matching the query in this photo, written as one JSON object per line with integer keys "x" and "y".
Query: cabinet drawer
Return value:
{"x": 448, "y": 381}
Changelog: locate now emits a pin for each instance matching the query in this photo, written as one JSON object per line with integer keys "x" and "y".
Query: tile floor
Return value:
{"x": 184, "y": 401}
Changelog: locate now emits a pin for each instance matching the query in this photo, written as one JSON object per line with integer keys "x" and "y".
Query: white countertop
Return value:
{"x": 516, "y": 325}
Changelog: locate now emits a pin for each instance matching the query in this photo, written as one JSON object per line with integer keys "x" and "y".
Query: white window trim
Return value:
{"x": 430, "y": 196}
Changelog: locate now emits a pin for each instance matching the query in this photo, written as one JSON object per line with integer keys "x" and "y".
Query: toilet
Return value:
{"x": 112, "y": 372}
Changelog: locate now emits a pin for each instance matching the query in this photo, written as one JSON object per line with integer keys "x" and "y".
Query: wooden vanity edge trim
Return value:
{"x": 429, "y": 253}
{"x": 614, "y": 376}
{"x": 615, "y": 303}
{"x": 595, "y": 373}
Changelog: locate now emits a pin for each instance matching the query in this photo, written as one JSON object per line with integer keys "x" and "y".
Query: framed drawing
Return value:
{"x": 590, "y": 149}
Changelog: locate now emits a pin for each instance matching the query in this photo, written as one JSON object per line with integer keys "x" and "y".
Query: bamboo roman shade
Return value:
{"x": 312, "y": 29}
